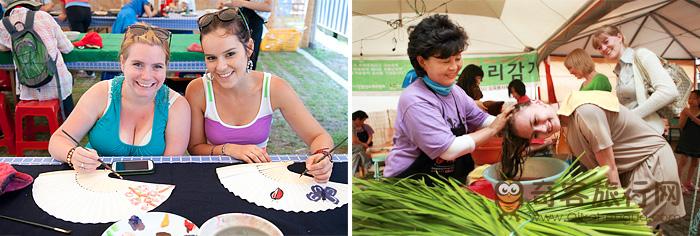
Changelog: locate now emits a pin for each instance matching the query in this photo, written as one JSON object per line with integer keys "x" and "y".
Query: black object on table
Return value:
{"x": 198, "y": 196}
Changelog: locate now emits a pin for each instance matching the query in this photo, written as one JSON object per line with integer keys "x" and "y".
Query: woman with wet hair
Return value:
{"x": 606, "y": 133}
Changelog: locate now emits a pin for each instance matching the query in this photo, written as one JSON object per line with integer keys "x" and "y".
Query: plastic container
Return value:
{"x": 541, "y": 173}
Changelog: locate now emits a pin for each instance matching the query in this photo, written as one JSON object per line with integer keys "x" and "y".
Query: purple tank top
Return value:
{"x": 257, "y": 132}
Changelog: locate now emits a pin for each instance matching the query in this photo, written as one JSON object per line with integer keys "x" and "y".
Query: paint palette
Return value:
{"x": 239, "y": 224}
{"x": 153, "y": 223}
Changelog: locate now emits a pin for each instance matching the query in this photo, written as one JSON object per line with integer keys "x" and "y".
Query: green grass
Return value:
{"x": 325, "y": 99}
{"x": 333, "y": 60}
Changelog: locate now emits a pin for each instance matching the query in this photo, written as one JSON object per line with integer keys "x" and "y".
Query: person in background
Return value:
{"x": 47, "y": 5}
{"x": 55, "y": 42}
{"x": 469, "y": 80}
{"x": 581, "y": 65}
{"x": 516, "y": 89}
{"x": 188, "y": 5}
{"x": 609, "y": 41}
{"x": 130, "y": 115}
{"x": 689, "y": 144}
{"x": 361, "y": 140}
{"x": 129, "y": 14}
{"x": 256, "y": 13}
{"x": 232, "y": 106}
{"x": 363, "y": 132}
{"x": 78, "y": 13}
{"x": 79, "y": 17}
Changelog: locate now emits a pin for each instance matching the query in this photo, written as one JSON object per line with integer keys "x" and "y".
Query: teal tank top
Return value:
{"x": 104, "y": 135}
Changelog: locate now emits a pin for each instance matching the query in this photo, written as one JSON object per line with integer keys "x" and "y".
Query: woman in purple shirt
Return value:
{"x": 437, "y": 124}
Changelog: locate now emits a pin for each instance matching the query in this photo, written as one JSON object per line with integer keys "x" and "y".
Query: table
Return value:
{"x": 171, "y": 22}
{"x": 198, "y": 196}
{"x": 107, "y": 58}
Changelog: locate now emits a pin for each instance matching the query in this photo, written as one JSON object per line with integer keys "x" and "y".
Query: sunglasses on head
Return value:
{"x": 225, "y": 15}
{"x": 138, "y": 30}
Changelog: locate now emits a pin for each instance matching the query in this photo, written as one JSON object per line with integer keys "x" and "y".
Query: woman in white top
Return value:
{"x": 609, "y": 41}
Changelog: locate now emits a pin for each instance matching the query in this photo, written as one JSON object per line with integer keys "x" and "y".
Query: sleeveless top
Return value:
{"x": 257, "y": 132}
{"x": 104, "y": 135}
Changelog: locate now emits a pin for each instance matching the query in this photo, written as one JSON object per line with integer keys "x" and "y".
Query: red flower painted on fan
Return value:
{"x": 277, "y": 194}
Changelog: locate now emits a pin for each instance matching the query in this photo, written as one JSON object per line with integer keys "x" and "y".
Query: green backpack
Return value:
{"x": 34, "y": 66}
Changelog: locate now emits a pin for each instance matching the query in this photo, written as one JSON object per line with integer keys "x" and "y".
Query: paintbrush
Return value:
{"x": 65, "y": 231}
{"x": 98, "y": 159}
{"x": 324, "y": 156}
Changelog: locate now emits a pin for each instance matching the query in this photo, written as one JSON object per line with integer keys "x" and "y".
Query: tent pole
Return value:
{"x": 551, "y": 98}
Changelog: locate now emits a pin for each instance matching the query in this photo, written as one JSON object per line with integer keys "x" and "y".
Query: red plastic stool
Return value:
{"x": 49, "y": 109}
{"x": 8, "y": 139}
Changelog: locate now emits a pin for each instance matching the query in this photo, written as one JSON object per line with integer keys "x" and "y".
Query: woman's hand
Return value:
{"x": 502, "y": 119}
{"x": 85, "y": 160}
{"x": 246, "y": 153}
{"x": 321, "y": 171}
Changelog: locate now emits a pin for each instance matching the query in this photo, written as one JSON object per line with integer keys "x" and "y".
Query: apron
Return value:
{"x": 439, "y": 168}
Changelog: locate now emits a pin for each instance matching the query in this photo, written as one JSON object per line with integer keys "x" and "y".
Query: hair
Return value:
{"x": 359, "y": 114}
{"x": 604, "y": 31}
{"x": 518, "y": 86}
{"x": 235, "y": 27}
{"x": 513, "y": 146}
{"x": 435, "y": 36}
{"x": 580, "y": 60}
{"x": 148, "y": 38}
{"x": 467, "y": 81}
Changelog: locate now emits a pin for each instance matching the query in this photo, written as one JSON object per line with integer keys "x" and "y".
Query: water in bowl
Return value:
{"x": 241, "y": 230}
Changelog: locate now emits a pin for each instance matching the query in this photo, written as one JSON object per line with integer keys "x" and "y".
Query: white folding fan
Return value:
{"x": 272, "y": 185}
{"x": 95, "y": 197}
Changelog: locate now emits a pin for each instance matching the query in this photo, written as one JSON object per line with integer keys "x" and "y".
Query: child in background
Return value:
{"x": 361, "y": 141}
{"x": 689, "y": 144}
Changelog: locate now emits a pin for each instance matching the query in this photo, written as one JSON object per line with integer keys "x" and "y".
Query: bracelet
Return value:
{"x": 223, "y": 149}
{"x": 69, "y": 157}
{"x": 211, "y": 152}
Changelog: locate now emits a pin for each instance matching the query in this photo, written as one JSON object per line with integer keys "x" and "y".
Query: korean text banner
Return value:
{"x": 387, "y": 75}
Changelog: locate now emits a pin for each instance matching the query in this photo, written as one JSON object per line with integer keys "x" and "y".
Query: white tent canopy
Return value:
{"x": 493, "y": 26}
{"x": 669, "y": 28}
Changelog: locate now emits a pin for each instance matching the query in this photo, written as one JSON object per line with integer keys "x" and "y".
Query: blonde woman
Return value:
{"x": 631, "y": 91}
{"x": 112, "y": 112}
{"x": 581, "y": 65}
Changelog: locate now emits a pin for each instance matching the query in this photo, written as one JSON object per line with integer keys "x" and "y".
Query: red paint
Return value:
{"x": 277, "y": 194}
{"x": 189, "y": 225}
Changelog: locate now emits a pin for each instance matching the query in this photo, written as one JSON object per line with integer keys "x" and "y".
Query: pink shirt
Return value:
{"x": 56, "y": 43}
